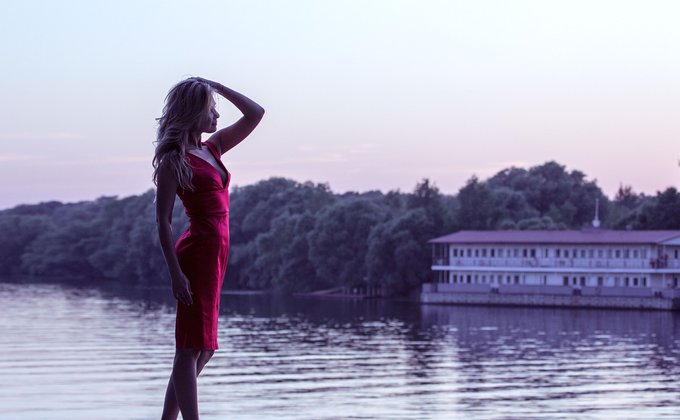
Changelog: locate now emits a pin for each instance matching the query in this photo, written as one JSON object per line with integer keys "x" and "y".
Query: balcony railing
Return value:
{"x": 658, "y": 263}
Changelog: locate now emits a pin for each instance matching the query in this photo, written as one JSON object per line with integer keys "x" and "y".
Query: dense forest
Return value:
{"x": 295, "y": 237}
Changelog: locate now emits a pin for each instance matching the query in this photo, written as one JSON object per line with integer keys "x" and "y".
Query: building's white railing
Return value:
{"x": 556, "y": 263}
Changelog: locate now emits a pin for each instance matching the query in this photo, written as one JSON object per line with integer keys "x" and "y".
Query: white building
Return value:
{"x": 590, "y": 262}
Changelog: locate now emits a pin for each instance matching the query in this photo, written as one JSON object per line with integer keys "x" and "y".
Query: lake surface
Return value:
{"x": 75, "y": 353}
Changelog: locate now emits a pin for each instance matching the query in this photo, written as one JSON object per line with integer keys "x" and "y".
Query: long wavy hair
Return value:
{"x": 184, "y": 107}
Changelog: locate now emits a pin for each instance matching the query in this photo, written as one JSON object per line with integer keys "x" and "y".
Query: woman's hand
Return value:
{"x": 206, "y": 81}
{"x": 181, "y": 289}
{"x": 226, "y": 138}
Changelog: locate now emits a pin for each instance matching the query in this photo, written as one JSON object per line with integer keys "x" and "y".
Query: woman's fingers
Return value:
{"x": 184, "y": 296}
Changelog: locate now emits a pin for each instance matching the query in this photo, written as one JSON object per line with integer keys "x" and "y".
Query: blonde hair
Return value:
{"x": 185, "y": 104}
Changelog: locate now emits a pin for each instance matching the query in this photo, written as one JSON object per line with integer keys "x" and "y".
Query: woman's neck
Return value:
{"x": 195, "y": 142}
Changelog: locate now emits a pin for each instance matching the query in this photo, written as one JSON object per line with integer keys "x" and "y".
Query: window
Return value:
{"x": 484, "y": 252}
{"x": 591, "y": 253}
{"x": 557, "y": 253}
{"x": 573, "y": 253}
{"x": 626, "y": 281}
{"x": 617, "y": 253}
{"x": 469, "y": 279}
{"x": 644, "y": 281}
{"x": 635, "y": 253}
{"x": 515, "y": 252}
{"x": 483, "y": 279}
{"x": 635, "y": 281}
{"x": 565, "y": 281}
{"x": 626, "y": 253}
{"x": 609, "y": 253}
{"x": 583, "y": 281}
{"x": 455, "y": 252}
{"x": 600, "y": 281}
{"x": 583, "y": 253}
{"x": 476, "y": 252}
{"x": 525, "y": 252}
{"x": 600, "y": 253}
{"x": 469, "y": 252}
{"x": 644, "y": 253}
{"x": 500, "y": 252}
{"x": 493, "y": 252}
{"x": 676, "y": 254}
{"x": 533, "y": 253}
{"x": 516, "y": 279}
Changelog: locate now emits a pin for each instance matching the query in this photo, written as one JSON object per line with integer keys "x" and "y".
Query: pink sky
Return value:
{"x": 362, "y": 95}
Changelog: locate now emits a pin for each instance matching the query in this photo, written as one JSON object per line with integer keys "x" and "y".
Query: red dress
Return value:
{"x": 202, "y": 253}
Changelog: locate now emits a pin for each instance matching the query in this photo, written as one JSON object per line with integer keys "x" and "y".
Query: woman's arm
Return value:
{"x": 226, "y": 138}
{"x": 165, "y": 200}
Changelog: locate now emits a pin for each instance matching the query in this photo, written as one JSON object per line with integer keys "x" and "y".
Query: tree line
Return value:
{"x": 297, "y": 237}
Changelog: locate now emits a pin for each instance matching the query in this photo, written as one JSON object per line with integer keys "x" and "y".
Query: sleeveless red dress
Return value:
{"x": 202, "y": 252}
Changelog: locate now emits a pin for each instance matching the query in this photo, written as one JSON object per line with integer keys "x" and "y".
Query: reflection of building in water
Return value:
{"x": 591, "y": 267}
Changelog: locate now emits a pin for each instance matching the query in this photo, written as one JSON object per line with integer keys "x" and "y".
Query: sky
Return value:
{"x": 362, "y": 95}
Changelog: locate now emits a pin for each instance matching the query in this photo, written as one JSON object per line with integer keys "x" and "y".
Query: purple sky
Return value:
{"x": 360, "y": 94}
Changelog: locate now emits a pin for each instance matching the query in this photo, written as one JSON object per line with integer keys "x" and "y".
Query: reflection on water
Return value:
{"x": 72, "y": 353}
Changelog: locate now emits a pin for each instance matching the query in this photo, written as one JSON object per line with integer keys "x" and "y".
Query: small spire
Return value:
{"x": 596, "y": 220}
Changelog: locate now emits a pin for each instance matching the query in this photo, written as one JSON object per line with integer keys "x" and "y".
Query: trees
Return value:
{"x": 339, "y": 241}
{"x": 544, "y": 196}
{"x": 477, "y": 209}
{"x": 297, "y": 237}
{"x": 397, "y": 258}
{"x": 663, "y": 212}
{"x": 263, "y": 219}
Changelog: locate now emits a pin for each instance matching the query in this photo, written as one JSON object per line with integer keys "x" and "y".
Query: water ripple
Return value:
{"x": 71, "y": 353}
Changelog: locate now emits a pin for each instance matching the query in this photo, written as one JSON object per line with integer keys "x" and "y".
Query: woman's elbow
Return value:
{"x": 258, "y": 112}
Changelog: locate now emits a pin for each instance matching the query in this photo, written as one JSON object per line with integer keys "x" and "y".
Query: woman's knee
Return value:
{"x": 186, "y": 355}
{"x": 205, "y": 356}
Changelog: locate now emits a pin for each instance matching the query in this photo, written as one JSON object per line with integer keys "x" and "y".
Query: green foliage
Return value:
{"x": 662, "y": 212}
{"x": 299, "y": 237}
{"x": 542, "y": 197}
{"x": 339, "y": 241}
{"x": 396, "y": 258}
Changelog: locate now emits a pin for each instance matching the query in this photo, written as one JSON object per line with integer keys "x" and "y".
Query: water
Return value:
{"x": 74, "y": 353}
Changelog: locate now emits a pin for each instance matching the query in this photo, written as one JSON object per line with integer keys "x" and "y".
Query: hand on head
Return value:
{"x": 202, "y": 80}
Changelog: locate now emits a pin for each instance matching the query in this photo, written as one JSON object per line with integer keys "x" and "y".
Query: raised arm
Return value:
{"x": 165, "y": 199}
{"x": 226, "y": 138}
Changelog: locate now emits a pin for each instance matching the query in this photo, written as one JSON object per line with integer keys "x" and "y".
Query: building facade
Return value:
{"x": 591, "y": 267}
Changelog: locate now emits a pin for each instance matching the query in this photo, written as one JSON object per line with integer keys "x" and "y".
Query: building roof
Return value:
{"x": 586, "y": 236}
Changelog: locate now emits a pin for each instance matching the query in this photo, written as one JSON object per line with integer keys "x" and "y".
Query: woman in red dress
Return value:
{"x": 191, "y": 169}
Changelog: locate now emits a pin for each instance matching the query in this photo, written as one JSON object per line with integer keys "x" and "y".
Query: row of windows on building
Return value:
{"x": 517, "y": 279}
{"x": 548, "y": 252}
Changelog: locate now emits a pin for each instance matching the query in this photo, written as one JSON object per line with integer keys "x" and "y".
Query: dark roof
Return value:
{"x": 586, "y": 236}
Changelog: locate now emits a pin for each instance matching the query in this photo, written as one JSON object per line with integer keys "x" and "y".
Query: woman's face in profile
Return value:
{"x": 208, "y": 123}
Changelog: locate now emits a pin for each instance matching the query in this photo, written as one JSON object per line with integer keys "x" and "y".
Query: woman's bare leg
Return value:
{"x": 183, "y": 383}
{"x": 203, "y": 358}
{"x": 171, "y": 407}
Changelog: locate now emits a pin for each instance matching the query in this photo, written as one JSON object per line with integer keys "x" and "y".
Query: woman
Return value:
{"x": 193, "y": 170}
